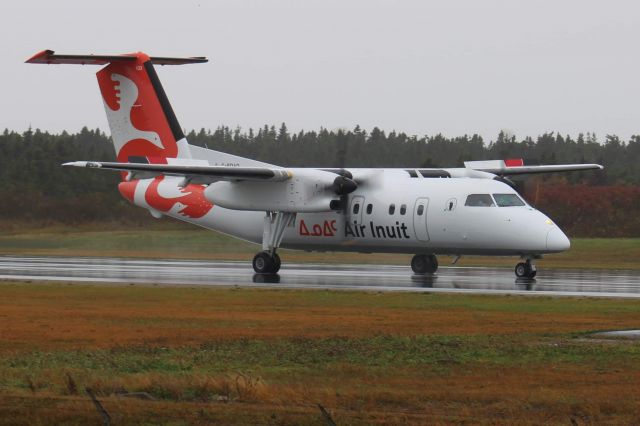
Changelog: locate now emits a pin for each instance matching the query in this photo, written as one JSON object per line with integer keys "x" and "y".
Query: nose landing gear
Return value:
{"x": 526, "y": 269}
{"x": 424, "y": 263}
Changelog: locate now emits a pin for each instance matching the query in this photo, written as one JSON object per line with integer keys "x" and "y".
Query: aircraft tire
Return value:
{"x": 524, "y": 270}
{"x": 424, "y": 264}
{"x": 433, "y": 264}
{"x": 276, "y": 263}
{"x": 419, "y": 264}
{"x": 264, "y": 263}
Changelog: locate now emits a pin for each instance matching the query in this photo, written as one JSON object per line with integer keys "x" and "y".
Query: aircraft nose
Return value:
{"x": 557, "y": 240}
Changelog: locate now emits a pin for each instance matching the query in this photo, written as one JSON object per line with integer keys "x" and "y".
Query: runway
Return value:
{"x": 316, "y": 276}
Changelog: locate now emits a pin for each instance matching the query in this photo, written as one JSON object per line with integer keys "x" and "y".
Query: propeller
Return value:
{"x": 343, "y": 185}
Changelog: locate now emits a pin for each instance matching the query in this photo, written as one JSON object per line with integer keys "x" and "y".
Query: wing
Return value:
{"x": 193, "y": 173}
{"x": 516, "y": 167}
{"x": 247, "y": 188}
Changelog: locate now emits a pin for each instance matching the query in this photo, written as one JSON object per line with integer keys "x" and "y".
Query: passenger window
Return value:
{"x": 392, "y": 209}
{"x": 508, "y": 200}
{"x": 369, "y": 208}
{"x": 403, "y": 209}
{"x": 356, "y": 208}
{"x": 479, "y": 200}
{"x": 451, "y": 204}
{"x": 420, "y": 210}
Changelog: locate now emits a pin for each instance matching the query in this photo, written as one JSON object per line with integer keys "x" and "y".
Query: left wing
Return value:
{"x": 237, "y": 188}
{"x": 193, "y": 173}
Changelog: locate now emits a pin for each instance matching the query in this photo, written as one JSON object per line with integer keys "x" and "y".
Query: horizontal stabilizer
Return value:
{"x": 50, "y": 57}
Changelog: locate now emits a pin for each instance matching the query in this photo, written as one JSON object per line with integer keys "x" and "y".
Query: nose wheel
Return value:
{"x": 526, "y": 270}
{"x": 424, "y": 263}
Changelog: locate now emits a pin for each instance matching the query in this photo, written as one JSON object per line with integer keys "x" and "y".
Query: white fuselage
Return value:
{"x": 425, "y": 212}
{"x": 429, "y": 216}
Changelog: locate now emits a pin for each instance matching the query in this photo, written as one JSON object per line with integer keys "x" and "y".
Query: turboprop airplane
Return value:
{"x": 473, "y": 210}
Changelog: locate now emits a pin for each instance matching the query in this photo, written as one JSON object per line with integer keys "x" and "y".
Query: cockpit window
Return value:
{"x": 479, "y": 200}
{"x": 508, "y": 200}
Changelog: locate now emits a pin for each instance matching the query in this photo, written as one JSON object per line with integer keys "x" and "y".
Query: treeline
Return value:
{"x": 359, "y": 148}
{"x": 37, "y": 190}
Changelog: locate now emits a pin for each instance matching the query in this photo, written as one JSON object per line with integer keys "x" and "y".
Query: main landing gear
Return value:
{"x": 424, "y": 263}
{"x": 526, "y": 269}
{"x": 275, "y": 223}
{"x": 266, "y": 263}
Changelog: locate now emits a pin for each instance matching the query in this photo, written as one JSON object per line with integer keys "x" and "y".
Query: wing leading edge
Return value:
{"x": 205, "y": 174}
{"x": 196, "y": 174}
{"x": 503, "y": 168}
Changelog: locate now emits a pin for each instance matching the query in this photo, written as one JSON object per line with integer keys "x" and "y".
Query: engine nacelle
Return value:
{"x": 307, "y": 191}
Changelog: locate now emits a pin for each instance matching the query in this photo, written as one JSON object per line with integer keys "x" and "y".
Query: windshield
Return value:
{"x": 479, "y": 200}
{"x": 508, "y": 200}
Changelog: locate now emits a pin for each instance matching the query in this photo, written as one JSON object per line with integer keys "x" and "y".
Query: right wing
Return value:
{"x": 516, "y": 167}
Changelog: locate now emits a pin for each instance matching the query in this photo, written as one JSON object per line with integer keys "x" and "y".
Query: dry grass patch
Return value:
{"x": 178, "y": 355}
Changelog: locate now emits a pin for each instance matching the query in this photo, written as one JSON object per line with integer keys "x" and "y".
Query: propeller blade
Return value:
{"x": 343, "y": 185}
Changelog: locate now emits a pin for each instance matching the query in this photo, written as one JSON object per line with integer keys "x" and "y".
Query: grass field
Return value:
{"x": 192, "y": 243}
{"x": 219, "y": 356}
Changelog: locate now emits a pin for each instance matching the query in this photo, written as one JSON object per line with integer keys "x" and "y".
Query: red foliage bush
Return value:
{"x": 590, "y": 211}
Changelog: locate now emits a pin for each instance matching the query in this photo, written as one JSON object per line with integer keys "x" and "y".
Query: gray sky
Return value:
{"x": 423, "y": 67}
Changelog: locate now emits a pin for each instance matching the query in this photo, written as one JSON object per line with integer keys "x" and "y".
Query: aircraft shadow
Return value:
{"x": 425, "y": 281}
{"x": 266, "y": 278}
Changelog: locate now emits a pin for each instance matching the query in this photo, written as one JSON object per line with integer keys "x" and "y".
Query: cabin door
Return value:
{"x": 420, "y": 219}
{"x": 355, "y": 209}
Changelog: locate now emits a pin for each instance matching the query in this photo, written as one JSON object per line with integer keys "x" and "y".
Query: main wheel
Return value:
{"x": 424, "y": 264}
{"x": 525, "y": 270}
{"x": 419, "y": 264}
{"x": 264, "y": 263}
{"x": 276, "y": 263}
{"x": 433, "y": 264}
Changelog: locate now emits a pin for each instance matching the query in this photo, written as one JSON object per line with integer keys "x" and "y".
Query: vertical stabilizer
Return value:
{"x": 143, "y": 125}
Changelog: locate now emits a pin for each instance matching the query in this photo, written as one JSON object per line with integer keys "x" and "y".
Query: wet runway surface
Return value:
{"x": 350, "y": 277}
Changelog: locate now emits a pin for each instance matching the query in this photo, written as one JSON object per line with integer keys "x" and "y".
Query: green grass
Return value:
{"x": 170, "y": 241}
{"x": 192, "y": 243}
{"x": 317, "y": 356}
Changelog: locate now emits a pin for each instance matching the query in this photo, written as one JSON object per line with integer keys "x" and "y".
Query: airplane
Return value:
{"x": 427, "y": 212}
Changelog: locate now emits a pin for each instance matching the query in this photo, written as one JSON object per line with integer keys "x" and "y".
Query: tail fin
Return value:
{"x": 143, "y": 125}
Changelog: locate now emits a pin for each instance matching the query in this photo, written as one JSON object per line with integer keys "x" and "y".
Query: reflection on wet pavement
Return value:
{"x": 367, "y": 277}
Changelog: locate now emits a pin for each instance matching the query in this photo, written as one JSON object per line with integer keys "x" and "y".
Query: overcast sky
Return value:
{"x": 422, "y": 67}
